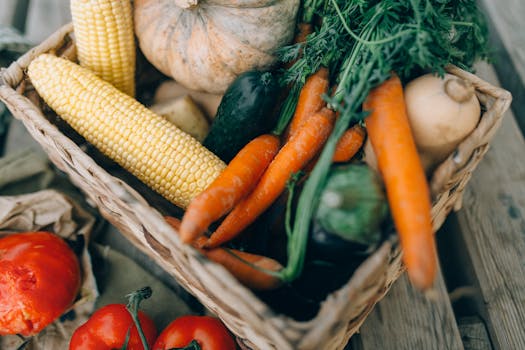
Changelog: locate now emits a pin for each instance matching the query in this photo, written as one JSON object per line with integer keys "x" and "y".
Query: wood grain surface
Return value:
{"x": 407, "y": 319}
{"x": 507, "y": 42}
{"x": 7, "y": 12}
{"x": 492, "y": 225}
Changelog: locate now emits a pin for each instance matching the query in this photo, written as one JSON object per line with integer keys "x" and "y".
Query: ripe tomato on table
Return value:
{"x": 195, "y": 333}
{"x": 39, "y": 279}
{"x": 112, "y": 325}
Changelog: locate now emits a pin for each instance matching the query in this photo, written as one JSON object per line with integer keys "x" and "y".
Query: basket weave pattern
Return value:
{"x": 254, "y": 323}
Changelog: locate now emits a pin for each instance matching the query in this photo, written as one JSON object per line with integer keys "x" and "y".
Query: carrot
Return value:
{"x": 345, "y": 149}
{"x": 235, "y": 182}
{"x": 292, "y": 157}
{"x": 310, "y": 100}
{"x": 404, "y": 178}
{"x": 305, "y": 29}
{"x": 240, "y": 263}
{"x": 349, "y": 144}
{"x": 246, "y": 267}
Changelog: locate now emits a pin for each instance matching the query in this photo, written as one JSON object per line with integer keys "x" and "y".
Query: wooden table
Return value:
{"x": 479, "y": 299}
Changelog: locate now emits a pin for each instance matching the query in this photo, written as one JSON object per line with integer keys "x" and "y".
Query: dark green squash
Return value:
{"x": 246, "y": 111}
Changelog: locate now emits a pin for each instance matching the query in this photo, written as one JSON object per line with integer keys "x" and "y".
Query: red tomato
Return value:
{"x": 107, "y": 328}
{"x": 39, "y": 280}
{"x": 209, "y": 333}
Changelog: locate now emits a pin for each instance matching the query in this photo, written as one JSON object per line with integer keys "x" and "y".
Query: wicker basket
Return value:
{"x": 255, "y": 324}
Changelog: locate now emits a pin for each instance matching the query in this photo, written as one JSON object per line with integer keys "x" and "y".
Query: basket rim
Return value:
{"x": 13, "y": 77}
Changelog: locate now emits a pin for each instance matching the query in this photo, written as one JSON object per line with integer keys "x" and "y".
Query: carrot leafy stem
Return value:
{"x": 361, "y": 42}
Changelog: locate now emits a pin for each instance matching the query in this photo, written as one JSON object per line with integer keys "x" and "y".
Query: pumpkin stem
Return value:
{"x": 187, "y": 4}
{"x": 459, "y": 90}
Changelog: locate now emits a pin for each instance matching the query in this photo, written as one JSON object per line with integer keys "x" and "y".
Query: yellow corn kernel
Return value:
{"x": 162, "y": 156}
{"x": 105, "y": 40}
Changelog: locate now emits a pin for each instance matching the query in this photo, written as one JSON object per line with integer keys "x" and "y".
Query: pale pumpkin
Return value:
{"x": 206, "y": 44}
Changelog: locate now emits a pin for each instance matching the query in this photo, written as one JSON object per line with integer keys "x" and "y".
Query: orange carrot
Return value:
{"x": 346, "y": 147}
{"x": 404, "y": 177}
{"x": 292, "y": 157}
{"x": 310, "y": 100}
{"x": 305, "y": 29}
{"x": 234, "y": 183}
{"x": 239, "y": 263}
{"x": 349, "y": 144}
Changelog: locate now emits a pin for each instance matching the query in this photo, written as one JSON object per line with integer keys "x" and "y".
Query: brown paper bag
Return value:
{"x": 49, "y": 210}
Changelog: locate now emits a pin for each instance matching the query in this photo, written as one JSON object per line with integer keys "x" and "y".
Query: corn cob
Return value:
{"x": 165, "y": 158}
{"x": 105, "y": 40}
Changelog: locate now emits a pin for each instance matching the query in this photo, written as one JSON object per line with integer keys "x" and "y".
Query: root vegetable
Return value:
{"x": 405, "y": 183}
{"x": 185, "y": 115}
{"x": 300, "y": 149}
{"x": 235, "y": 182}
{"x": 170, "y": 90}
{"x": 370, "y": 156}
{"x": 442, "y": 113}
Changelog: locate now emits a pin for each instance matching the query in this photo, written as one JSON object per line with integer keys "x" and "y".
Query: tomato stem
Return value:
{"x": 126, "y": 340}
{"x": 134, "y": 300}
{"x": 193, "y": 345}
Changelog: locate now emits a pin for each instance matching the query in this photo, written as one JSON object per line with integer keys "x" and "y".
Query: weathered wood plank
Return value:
{"x": 45, "y": 17}
{"x": 405, "y": 319}
{"x": 7, "y": 13}
{"x": 14, "y": 13}
{"x": 507, "y": 42}
{"x": 20, "y": 16}
{"x": 492, "y": 227}
{"x": 474, "y": 334}
{"x": 389, "y": 313}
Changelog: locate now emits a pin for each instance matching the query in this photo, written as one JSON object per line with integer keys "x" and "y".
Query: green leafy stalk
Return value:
{"x": 134, "y": 300}
{"x": 309, "y": 9}
{"x": 364, "y": 41}
{"x": 287, "y": 110}
{"x": 311, "y": 192}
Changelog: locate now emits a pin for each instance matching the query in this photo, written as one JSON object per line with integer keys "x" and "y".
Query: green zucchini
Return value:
{"x": 246, "y": 111}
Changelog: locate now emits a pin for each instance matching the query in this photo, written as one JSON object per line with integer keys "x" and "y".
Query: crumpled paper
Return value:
{"x": 27, "y": 202}
{"x": 24, "y": 172}
{"x": 49, "y": 210}
{"x": 118, "y": 275}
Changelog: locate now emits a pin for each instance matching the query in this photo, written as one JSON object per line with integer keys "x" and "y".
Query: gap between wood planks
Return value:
{"x": 507, "y": 40}
{"x": 491, "y": 239}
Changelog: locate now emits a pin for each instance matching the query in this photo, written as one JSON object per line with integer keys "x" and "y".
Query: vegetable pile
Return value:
{"x": 363, "y": 42}
{"x": 275, "y": 186}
